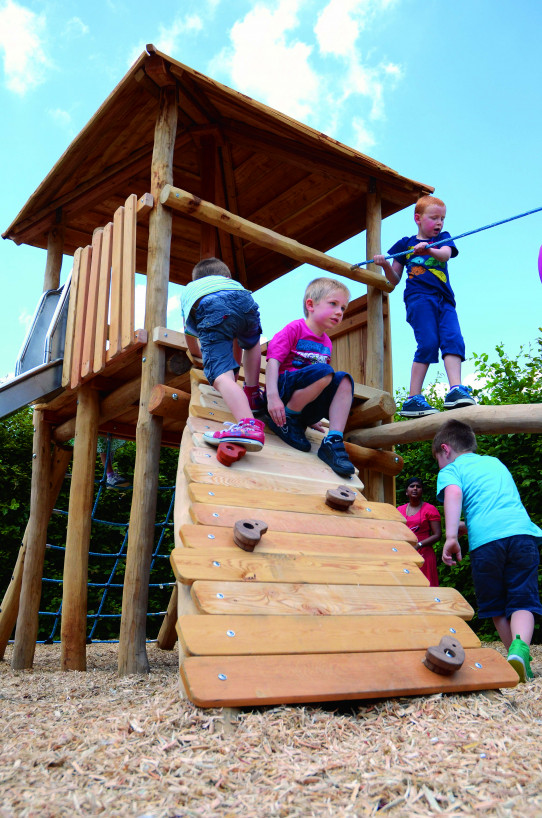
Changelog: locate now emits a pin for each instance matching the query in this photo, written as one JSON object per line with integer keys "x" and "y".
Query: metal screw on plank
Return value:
{"x": 453, "y": 630}
{"x": 222, "y": 677}
{"x": 143, "y": 359}
{"x": 175, "y": 396}
{"x": 437, "y": 599}
{"x": 216, "y": 563}
{"x": 478, "y": 665}
{"x": 211, "y": 493}
{"x": 216, "y": 514}
{"x": 406, "y": 571}
{"x": 220, "y": 596}
{"x": 230, "y": 633}
{"x": 210, "y": 536}
{"x": 394, "y": 549}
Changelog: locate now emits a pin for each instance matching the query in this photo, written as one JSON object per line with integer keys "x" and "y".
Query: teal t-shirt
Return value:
{"x": 491, "y": 502}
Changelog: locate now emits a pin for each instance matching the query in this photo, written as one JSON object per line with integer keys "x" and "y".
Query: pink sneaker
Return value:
{"x": 248, "y": 433}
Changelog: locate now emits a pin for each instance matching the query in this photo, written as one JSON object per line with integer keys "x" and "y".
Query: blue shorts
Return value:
{"x": 290, "y": 382}
{"x": 436, "y": 326}
{"x": 219, "y": 318}
{"x": 505, "y": 574}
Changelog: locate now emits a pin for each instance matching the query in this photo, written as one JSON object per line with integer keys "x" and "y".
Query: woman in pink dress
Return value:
{"x": 424, "y": 520}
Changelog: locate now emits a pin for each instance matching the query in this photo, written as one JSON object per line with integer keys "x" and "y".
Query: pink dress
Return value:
{"x": 419, "y": 524}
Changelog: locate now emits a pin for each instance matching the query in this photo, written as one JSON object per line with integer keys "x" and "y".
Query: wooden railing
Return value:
{"x": 101, "y": 317}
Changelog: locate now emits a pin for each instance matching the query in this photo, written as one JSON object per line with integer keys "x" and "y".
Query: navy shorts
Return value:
{"x": 505, "y": 574}
{"x": 436, "y": 326}
{"x": 290, "y": 382}
{"x": 219, "y": 318}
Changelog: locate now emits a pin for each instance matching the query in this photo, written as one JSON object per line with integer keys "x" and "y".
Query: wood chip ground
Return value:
{"x": 96, "y": 744}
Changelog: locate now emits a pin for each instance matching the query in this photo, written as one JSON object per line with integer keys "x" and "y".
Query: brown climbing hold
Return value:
{"x": 247, "y": 533}
{"x": 445, "y": 658}
{"x": 228, "y": 453}
{"x": 340, "y": 498}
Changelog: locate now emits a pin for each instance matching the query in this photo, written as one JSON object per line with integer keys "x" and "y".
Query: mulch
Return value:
{"x": 96, "y": 744}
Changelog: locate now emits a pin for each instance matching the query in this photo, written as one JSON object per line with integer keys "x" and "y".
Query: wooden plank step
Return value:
{"x": 190, "y": 565}
{"x": 253, "y": 478}
{"x": 198, "y": 426}
{"x": 309, "y": 466}
{"x": 286, "y": 599}
{"x": 279, "y": 542}
{"x": 257, "y": 680}
{"x": 232, "y": 635}
{"x": 313, "y": 503}
{"x": 342, "y": 526}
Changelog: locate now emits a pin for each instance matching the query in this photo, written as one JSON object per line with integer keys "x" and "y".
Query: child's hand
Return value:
{"x": 379, "y": 259}
{"x": 451, "y": 548}
{"x": 319, "y": 427}
{"x": 420, "y": 248}
{"x": 275, "y": 409}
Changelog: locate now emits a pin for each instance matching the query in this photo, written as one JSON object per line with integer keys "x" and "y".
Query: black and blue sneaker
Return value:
{"x": 333, "y": 453}
{"x": 416, "y": 407}
{"x": 459, "y": 396}
{"x": 293, "y": 433}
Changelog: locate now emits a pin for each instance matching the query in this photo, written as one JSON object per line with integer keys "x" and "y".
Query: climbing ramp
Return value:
{"x": 330, "y": 604}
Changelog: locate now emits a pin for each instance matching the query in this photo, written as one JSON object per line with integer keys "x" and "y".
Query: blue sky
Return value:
{"x": 445, "y": 93}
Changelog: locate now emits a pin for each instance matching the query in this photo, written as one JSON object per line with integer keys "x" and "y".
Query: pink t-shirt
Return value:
{"x": 296, "y": 346}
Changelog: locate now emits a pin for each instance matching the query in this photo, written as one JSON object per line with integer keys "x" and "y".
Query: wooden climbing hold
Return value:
{"x": 446, "y": 657}
{"x": 228, "y": 453}
{"x": 340, "y": 498}
{"x": 247, "y": 533}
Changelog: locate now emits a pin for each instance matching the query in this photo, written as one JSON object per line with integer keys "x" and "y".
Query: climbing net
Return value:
{"x": 107, "y": 559}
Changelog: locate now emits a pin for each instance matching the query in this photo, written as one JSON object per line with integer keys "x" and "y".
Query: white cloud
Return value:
{"x": 21, "y": 41}
{"x": 364, "y": 139}
{"x": 266, "y": 62}
{"x": 75, "y": 27}
{"x": 167, "y": 39}
{"x": 62, "y": 118}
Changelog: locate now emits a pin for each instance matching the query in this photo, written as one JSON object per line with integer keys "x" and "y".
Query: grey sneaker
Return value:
{"x": 416, "y": 407}
{"x": 459, "y": 396}
{"x": 117, "y": 481}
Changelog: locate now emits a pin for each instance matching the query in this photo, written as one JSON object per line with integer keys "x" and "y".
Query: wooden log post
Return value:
{"x": 74, "y": 590}
{"x": 55, "y": 249}
{"x": 132, "y": 647}
{"x": 27, "y": 619}
{"x": 374, "y": 376}
{"x": 9, "y": 608}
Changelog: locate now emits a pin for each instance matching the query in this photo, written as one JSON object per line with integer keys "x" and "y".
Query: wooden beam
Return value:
{"x": 191, "y": 205}
{"x": 55, "y": 248}
{"x": 27, "y": 619}
{"x": 132, "y": 639}
{"x": 518, "y": 418}
{"x": 74, "y": 589}
{"x": 370, "y": 411}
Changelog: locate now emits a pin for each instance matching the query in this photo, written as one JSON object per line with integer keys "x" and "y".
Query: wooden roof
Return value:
{"x": 268, "y": 168}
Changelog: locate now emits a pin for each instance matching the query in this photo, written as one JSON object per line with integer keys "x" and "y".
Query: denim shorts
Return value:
{"x": 505, "y": 574}
{"x": 436, "y": 326}
{"x": 219, "y": 318}
{"x": 290, "y": 382}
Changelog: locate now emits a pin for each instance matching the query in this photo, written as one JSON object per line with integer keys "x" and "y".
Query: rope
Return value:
{"x": 104, "y": 596}
{"x": 455, "y": 238}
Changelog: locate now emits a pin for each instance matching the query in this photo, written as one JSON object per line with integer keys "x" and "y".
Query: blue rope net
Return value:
{"x": 107, "y": 556}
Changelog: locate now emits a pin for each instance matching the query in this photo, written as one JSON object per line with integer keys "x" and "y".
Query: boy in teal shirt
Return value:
{"x": 503, "y": 544}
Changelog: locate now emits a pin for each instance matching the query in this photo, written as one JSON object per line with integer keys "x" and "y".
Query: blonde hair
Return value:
{"x": 210, "y": 267}
{"x": 319, "y": 288}
{"x": 426, "y": 201}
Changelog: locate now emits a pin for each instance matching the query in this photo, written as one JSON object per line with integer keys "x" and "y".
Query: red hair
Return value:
{"x": 426, "y": 201}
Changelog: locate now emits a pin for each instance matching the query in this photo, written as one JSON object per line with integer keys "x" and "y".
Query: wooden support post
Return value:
{"x": 132, "y": 647}
{"x": 9, "y": 607}
{"x": 74, "y": 593}
{"x": 53, "y": 265}
{"x": 207, "y": 154}
{"x": 27, "y": 620}
{"x": 374, "y": 375}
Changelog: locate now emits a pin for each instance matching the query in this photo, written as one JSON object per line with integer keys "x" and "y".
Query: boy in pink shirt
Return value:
{"x": 301, "y": 386}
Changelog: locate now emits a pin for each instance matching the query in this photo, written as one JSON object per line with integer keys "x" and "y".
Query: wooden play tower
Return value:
{"x": 172, "y": 168}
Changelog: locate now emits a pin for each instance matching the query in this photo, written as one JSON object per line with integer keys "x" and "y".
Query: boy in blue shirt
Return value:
{"x": 503, "y": 544}
{"x": 430, "y": 305}
{"x": 217, "y": 313}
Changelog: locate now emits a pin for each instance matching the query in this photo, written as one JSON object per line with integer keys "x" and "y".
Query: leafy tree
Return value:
{"x": 501, "y": 380}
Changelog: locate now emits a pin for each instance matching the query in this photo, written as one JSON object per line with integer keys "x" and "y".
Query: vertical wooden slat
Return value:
{"x": 116, "y": 284}
{"x": 80, "y": 316}
{"x": 128, "y": 271}
{"x": 87, "y": 355}
{"x": 74, "y": 592}
{"x": 53, "y": 265}
{"x": 132, "y": 645}
{"x": 9, "y": 607}
{"x": 207, "y": 158}
{"x": 70, "y": 322}
{"x": 27, "y": 619}
{"x": 102, "y": 311}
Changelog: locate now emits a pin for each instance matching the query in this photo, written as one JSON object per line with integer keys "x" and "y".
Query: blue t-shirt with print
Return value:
{"x": 425, "y": 273}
